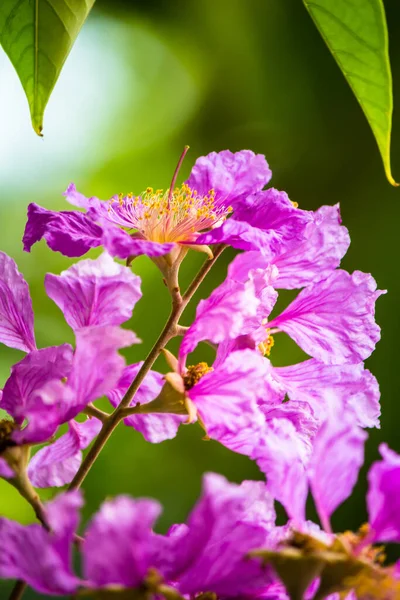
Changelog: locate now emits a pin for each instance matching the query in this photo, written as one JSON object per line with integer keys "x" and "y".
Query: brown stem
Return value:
{"x": 93, "y": 411}
{"x": 18, "y": 590}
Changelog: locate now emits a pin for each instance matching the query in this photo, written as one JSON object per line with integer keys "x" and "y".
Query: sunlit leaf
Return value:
{"x": 38, "y": 35}
{"x": 356, "y": 34}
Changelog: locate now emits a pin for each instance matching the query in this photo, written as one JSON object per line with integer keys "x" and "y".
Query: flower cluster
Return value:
{"x": 303, "y": 424}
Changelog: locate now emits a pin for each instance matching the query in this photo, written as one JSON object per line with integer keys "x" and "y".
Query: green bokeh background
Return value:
{"x": 144, "y": 79}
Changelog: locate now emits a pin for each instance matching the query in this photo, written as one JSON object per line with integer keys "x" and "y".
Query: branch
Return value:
{"x": 171, "y": 329}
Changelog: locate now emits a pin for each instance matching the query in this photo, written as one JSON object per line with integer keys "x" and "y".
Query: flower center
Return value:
{"x": 265, "y": 347}
{"x": 194, "y": 373}
{"x": 162, "y": 216}
{"x": 6, "y": 429}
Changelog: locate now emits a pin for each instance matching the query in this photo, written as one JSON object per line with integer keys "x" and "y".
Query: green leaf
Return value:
{"x": 355, "y": 32}
{"x": 38, "y": 35}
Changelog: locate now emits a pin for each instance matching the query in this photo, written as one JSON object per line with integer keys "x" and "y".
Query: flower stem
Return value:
{"x": 171, "y": 329}
{"x": 18, "y": 590}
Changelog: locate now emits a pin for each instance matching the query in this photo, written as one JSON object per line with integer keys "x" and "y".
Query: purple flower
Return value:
{"x": 224, "y": 399}
{"x": 121, "y": 550}
{"x": 210, "y": 552}
{"x": 158, "y": 222}
{"x": 96, "y": 369}
{"x": 119, "y": 543}
{"x": 382, "y": 498}
{"x": 30, "y": 375}
{"x": 43, "y": 559}
{"x": 95, "y": 292}
{"x": 36, "y": 392}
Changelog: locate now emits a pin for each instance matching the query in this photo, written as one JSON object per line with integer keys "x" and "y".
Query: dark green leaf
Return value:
{"x": 37, "y": 35}
{"x": 355, "y": 32}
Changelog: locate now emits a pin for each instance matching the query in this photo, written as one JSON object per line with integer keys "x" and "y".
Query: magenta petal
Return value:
{"x": 325, "y": 243}
{"x": 351, "y": 386}
{"x": 231, "y": 175}
{"x": 240, "y": 235}
{"x": 226, "y": 399}
{"x": 96, "y": 369}
{"x": 383, "y": 495}
{"x": 333, "y": 320}
{"x": 119, "y": 543}
{"x": 40, "y": 558}
{"x": 337, "y": 458}
{"x": 57, "y": 464}
{"x": 77, "y": 199}
{"x": 228, "y": 521}
{"x": 97, "y": 365}
{"x": 155, "y": 428}
{"x": 71, "y": 233}
{"x": 95, "y": 292}
{"x": 222, "y": 315}
{"x": 267, "y": 222}
{"x": 16, "y": 314}
{"x": 282, "y": 455}
{"x": 31, "y": 374}
{"x": 121, "y": 244}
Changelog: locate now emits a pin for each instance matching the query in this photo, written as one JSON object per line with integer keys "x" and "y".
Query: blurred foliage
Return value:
{"x": 214, "y": 75}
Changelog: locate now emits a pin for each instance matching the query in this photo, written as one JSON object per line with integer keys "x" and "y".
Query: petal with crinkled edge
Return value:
{"x": 57, "y": 464}
{"x": 301, "y": 415}
{"x": 16, "y": 314}
{"x": 232, "y": 175}
{"x": 325, "y": 243}
{"x": 383, "y": 495}
{"x": 121, "y": 244}
{"x": 333, "y": 320}
{"x": 335, "y": 463}
{"x": 282, "y": 457}
{"x": 40, "y": 558}
{"x": 31, "y": 374}
{"x": 226, "y": 398}
{"x": 71, "y": 233}
{"x": 240, "y": 235}
{"x": 119, "y": 543}
{"x": 221, "y": 316}
{"x": 211, "y": 553}
{"x": 352, "y": 386}
{"x": 77, "y": 199}
{"x": 155, "y": 427}
{"x": 96, "y": 369}
{"x": 95, "y": 292}
{"x": 97, "y": 365}
{"x": 267, "y": 222}
{"x": 316, "y": 254}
